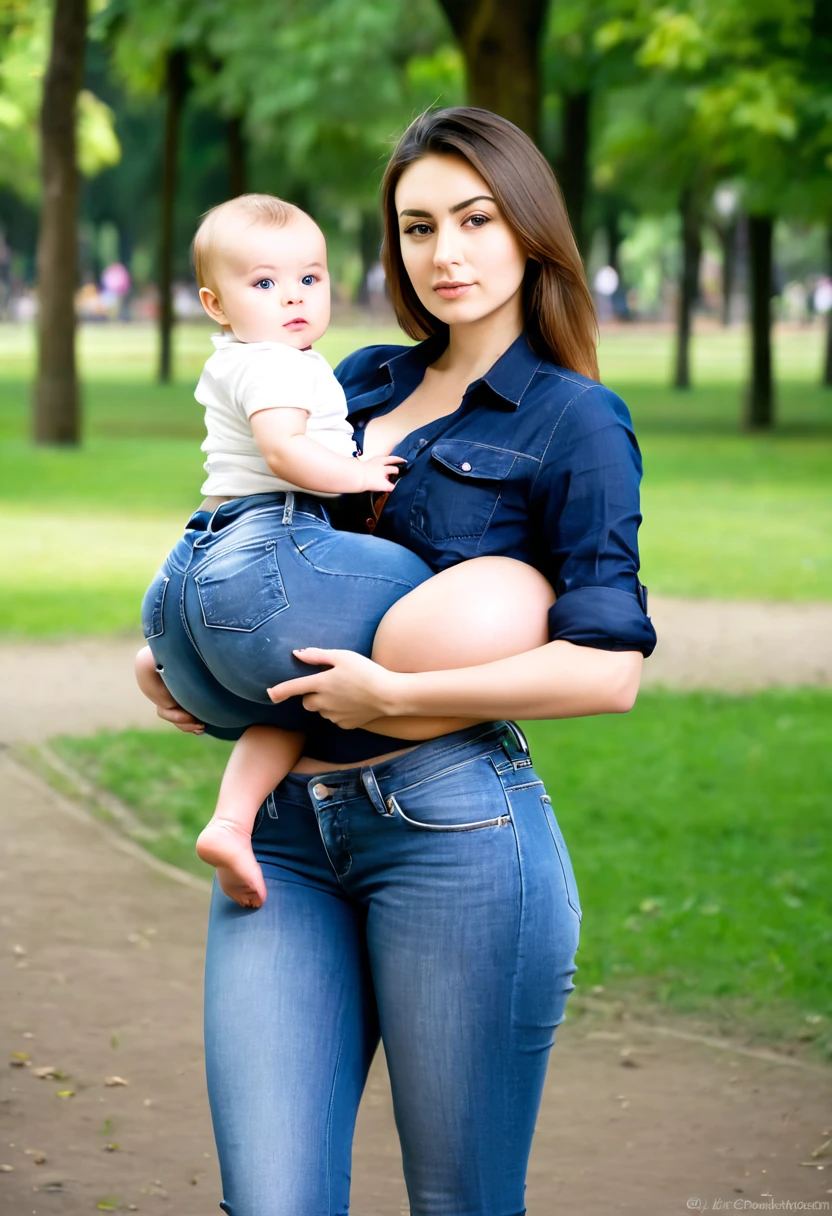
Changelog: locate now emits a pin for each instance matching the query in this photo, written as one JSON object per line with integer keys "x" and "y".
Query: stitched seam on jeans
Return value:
{"x": 329, "y": 1126}
{"x": 521, "y": 901}
{"x": 476, "y": 826}
{"x": 448, "y": 751}
{"x": 245, "y": 518}
{"x": 326, "y": 850}
{"x": 372, "y": 578}
{"x": 445, "y": 772}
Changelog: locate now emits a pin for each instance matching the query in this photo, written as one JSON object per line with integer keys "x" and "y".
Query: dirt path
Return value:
{"x": 79, "y": 687}
{"x": 100, "y": 977}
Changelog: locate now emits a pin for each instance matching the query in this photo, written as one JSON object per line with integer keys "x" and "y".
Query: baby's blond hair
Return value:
{"x": 260, "y": 208}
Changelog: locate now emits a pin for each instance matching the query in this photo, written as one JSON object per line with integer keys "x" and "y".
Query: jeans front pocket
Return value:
{"x": 153, "y": 625}
{"x": 466, "y": 798}
{"x": 241, "y": 588}
{"x": 563, "y": 856}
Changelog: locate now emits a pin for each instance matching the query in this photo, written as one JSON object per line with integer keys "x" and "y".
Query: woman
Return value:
{"x": 424, "y": 893}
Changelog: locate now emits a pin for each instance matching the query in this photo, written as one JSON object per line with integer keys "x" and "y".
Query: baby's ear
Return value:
{"x": 211, "y": 304}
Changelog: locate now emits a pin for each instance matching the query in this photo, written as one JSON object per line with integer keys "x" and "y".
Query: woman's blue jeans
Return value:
{"x": 246, "y": 585}
{"x": 429, "y": 900}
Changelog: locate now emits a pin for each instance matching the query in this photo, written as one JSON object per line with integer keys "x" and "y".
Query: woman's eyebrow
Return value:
{"x": 477, "y": 198}
{"x": 426, "y": 215}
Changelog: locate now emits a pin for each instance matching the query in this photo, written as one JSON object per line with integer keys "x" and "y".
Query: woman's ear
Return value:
{"x": 211, "y": 303}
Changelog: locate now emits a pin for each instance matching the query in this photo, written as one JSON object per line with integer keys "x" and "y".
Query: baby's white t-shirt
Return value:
{"x": 241, "y": 378}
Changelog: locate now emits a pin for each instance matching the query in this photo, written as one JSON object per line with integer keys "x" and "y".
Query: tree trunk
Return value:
{"x": 827, "y": 363}
{"x": 237, "y": 167}
{"x": 688, "y": 285}
{"x": 56, "y": 396}
{"x": 369, "y": 245}
{"x": 612, "y": 227}
{"x": 176, "y": 85}
{"x": 500, "y": 44}
{"x": 727, "y": 235}
{"x": 573, "y": 170}
{"x": 760, "y": 402}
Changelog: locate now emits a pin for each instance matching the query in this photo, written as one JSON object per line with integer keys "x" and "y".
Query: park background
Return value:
{"x": 693, "y": 142}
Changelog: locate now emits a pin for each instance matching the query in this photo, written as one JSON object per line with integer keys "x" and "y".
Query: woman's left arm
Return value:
{"x": 584, "y": 510}
{"x": 559, "y": 680}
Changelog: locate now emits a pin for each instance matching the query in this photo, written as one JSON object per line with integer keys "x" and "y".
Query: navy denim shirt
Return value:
{"x": 537, "y": 463}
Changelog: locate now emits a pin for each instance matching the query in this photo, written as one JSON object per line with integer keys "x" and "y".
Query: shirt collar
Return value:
{"x": 509, "y": 378}
{"x": 224, "y": 338}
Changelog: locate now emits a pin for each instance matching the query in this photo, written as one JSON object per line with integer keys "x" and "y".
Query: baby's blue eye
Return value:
{"x": 308, "y": 280}
{"x": 265, "y": 284}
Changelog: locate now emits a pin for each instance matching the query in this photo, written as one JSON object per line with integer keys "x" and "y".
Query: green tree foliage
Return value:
{"x": 311, "y": 96}
{"x": 725, "y": 93}
{"x": 24, "y": 48}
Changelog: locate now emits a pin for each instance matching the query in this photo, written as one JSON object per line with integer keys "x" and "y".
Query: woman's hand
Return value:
{"x": 353, "y": 692}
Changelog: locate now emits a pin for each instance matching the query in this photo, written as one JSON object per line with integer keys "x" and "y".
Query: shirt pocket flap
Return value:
{"x": 473, "y": 460}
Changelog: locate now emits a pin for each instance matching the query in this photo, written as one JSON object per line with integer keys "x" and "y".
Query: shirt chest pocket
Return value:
{"x": 460, "y": 489}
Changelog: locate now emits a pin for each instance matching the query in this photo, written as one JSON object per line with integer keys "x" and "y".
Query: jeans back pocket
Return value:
{"x": 241, "y": 588}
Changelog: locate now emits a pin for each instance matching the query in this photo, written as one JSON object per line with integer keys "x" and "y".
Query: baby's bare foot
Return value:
{"x": 227, "y": 846}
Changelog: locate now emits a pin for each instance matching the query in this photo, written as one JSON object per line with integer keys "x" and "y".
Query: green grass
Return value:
{"x": 700, "y": 828}
{"x": 726, "y": 515}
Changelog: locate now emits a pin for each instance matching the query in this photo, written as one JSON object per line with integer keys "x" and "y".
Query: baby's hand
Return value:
{"x": 378, "y": 470}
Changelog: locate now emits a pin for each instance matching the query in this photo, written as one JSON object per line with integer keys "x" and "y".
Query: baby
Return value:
{"x": 276, "y": 420}
{"x": 261, "y": 268}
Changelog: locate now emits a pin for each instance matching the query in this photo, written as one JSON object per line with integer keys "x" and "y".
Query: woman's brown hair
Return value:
{"x": 559, "y": 315}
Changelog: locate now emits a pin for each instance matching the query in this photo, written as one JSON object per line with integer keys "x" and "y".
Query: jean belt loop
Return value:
{"x": 288, "y": 508}
{"x": 208, "y": 531}
{"x": 368, "y": 780}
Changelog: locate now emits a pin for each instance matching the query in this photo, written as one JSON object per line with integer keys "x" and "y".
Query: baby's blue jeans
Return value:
{"x": 429, "y": 901}
{"x": 246, "y": 585}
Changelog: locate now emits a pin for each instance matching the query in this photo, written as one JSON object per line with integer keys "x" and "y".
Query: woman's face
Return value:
{"x": 463, "y": 260}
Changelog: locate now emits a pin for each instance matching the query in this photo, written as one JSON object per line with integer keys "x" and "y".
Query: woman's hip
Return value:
{"x": 464, "y": 816}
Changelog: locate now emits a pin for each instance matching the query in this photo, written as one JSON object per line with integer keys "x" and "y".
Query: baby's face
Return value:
{"x": 270, "y": 284}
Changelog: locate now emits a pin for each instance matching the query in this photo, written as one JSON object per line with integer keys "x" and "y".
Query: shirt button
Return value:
{"x": 360, "y": 424}
{"x": 422, "y": 442}
{"x": 465, "y": 466}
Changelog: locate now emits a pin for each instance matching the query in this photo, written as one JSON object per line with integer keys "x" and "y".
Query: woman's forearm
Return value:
{"x": 559, "y": 680}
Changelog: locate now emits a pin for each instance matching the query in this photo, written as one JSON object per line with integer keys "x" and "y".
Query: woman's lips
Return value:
{"x": 451, "y": 291}
{"x": 295, "y": 324}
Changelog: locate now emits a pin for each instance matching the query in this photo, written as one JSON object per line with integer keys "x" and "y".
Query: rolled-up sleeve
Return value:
{"x": 585, "y": 501}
